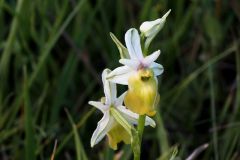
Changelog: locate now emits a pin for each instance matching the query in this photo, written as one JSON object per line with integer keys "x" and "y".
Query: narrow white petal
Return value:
{"x": 99, "y": 105}
{"x": 157, "y": 68}
{"x": 133, "y": 117}
{"x": 120, "y": 99}
{"x": 120, "y": 75}
{"x": 130, "y": 63}
{"x": 132, "y": 40}
{"x": 110, "y": 89}
{"x": 104, "y": 125}
{"x": 151, "y": 58}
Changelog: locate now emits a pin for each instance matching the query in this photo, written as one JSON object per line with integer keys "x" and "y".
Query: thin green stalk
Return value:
{"x": 162, "y": 134}
{"x": 137, "y": 137}
{"x": 136, "y": 148}
{"x": 213, "y": 113}
{"x": 136, "y": 156}
{"x": 70, "y": 134}
{"x": 237, "y": 103}
{"x": 30, "y": 146}
{"x": 81, "y": 154}
{"x": 140, "y": 128}
{"x": 8, "y": 50}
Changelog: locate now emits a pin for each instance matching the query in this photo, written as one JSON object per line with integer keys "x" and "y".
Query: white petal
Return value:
{"x": 104, "y": 125}
{"x": 120, "y": 75}
{"x": 119, "y": 100}
{"x": 151, "y": 58}
{"x": 132, "y": 40}
{"x": 157, "y": 68}
{"x": 133, "y": 117}
{"x": 110, "y": 89}
{"x": 99, "y": 106}
{"x": 130, "y": 63}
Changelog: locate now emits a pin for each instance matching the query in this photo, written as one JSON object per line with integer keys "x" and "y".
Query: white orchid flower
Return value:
{"x": 108, "y": 125}
{"x": 151, "y": 28}
{"x": 136, "y": 62}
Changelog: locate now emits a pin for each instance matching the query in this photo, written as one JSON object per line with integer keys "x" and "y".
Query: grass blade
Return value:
{"x": 64, "y": 81}
{"x": 162, "y": 134}
{"x": 213, "y": 114}
{"x": 81, "y": 155}
{"x": 52, "y": 41}
{"x": 28, "y": 123}
{"x": 4, "y": 62}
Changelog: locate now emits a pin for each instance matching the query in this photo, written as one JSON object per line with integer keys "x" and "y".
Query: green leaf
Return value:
{"x": 81, "y": 155}
{"x": 122, "y": 50}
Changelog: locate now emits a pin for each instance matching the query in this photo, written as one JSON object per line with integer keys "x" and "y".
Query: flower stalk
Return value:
{"x": 137, "y": 137}
{"x": 140, "y": 128}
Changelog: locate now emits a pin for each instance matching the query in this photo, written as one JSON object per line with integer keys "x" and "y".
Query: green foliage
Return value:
{"x": 28, "y": 123}
{"x": 81, "y": 155}
{"x": 53, "y": 52}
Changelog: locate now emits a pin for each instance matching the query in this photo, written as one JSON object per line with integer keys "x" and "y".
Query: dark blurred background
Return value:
{"x": 52, "y": 53}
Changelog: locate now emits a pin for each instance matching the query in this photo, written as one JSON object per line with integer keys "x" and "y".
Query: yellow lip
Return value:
{"x": 142, "y": 96}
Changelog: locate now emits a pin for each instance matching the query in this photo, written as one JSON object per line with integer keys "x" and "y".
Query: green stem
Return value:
{"x": 136, "y": 156}
{"x": 140, "y": 129}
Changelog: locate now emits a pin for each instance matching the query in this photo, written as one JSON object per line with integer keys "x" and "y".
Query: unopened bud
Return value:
{"x": 151, "y": 28}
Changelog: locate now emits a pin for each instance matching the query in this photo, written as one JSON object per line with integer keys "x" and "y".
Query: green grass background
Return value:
{"x": 52, "y": 53}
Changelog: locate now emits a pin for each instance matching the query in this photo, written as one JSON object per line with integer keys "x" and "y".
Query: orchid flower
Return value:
{"x": 139, "y": 73}
{"x": 108, "y": 125}
{"x": 136, "y": 62}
